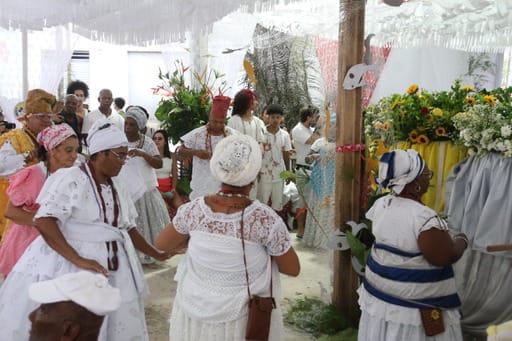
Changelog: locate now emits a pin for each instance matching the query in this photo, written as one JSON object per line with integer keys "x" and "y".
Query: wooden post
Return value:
{"x": 348, "y": 164}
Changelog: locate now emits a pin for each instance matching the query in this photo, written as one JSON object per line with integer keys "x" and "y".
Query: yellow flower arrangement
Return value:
{"x": 490, "y": 99}
{"x": 412, "y": 89}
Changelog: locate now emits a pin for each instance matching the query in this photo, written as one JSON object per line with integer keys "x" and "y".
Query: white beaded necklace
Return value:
{"x": 231, "y": 195}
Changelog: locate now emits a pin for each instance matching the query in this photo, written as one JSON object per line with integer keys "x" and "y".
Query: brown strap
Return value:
{"x": 245, "y": 258}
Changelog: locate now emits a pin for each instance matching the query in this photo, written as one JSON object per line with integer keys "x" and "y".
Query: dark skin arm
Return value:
{"x": 51, "y": 233}
{"x": 439, "y": 248}
{"x": 200, "y": 153}
{"x": 143, "y": 246}
{"x": 154, "y": 161}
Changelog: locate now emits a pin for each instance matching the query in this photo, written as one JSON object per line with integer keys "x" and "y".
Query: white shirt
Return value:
{"x": 254, "y": 128}
{"x": 202, "y": 182}
{"x": 95, "y": 115}
{"x": 273, "y": 163}
{"x": 300, "y": 134}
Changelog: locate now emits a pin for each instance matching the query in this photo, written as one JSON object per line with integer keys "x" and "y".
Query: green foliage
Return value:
{"x": 316, "y": 317}
{"x": 349, "y": 334}
{"x": 183, "y": 107}
{"x": 288, "y": 175}
{"x": 357, "y": 248}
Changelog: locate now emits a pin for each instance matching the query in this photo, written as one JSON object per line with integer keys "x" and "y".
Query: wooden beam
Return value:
{"x": 348, "y": 164}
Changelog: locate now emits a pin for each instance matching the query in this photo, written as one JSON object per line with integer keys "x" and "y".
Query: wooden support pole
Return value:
{"x": 348, "y": 164}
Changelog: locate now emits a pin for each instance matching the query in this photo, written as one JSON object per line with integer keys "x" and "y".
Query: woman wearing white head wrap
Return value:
{"x": 211, "y": 301}
{"x": 408, "y": 278}
{"x": 144, "y": 158}
{"x": 86, "y": 221}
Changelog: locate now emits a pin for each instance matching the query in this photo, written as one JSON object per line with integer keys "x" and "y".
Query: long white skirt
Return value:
{"x": 184, "y": 328}
{"x": 382, "y": 321}
{"x": 40, "y": 262}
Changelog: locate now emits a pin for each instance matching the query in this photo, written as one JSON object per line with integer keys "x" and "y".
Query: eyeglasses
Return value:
{"x": 429, "y": 175}
{"x": 121, "y": 158}
{"x": 42, "y": 116}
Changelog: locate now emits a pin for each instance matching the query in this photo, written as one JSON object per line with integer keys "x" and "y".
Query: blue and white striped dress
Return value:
{"x": 398, "y": 276}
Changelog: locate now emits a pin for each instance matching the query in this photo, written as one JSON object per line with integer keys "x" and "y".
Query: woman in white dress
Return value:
{"x": 243, "y": 121}
{"x": 86, "y": 222}
{"x": 409, "y": 286}
{"x": 211, "y": 301}
{"x": 144, "y": 158}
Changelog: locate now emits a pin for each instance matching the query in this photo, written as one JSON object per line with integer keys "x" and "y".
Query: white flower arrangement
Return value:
{"x": 485, "y": 128}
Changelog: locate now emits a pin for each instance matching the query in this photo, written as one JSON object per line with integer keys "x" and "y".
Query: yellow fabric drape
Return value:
{"x": 440, "y": 158}
{"x": 22, "y": 143}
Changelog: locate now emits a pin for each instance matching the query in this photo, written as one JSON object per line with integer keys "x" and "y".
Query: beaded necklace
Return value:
{"x": 98, "y": 189}
{"x": 208, "y": 140}
{"x": 231, "y": 194}
{"x": 31, "y": 135}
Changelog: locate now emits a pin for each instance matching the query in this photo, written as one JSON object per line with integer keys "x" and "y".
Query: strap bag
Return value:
{"x": 260, "y": 308}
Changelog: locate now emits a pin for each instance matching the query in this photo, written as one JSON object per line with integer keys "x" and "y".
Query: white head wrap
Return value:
{"x": 89, "y": 290}
{"x": 236, "y": 160}
{"x": 399, "y": 168}
{"x": 104, "y": 135}
{"x": 138, "y": 115}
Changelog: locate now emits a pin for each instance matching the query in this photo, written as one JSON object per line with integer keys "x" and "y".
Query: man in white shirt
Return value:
{"x": 276, "y": 146}
{"x": 200, "y": 144}
{"x": 104, "y": 111}
{"x": 303, "y": 137}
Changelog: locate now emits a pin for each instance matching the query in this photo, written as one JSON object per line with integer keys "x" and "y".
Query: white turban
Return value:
{"x": 104, "y": 135}
{"x": 399, "y": 168}
{"x": 138, "y": 115}
{"x": 236, "y": 160}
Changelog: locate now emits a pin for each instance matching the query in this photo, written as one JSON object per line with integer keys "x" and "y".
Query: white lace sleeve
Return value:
{"x": 59, "y": 195}
{"x": 278, "y": 239}
{"x": 185, "y": 217}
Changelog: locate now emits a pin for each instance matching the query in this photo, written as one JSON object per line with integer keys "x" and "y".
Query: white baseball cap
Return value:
{"x": 89, "y": 290}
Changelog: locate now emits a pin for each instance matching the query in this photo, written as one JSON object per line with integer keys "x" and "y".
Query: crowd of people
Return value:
{"x": 88, "y": 197}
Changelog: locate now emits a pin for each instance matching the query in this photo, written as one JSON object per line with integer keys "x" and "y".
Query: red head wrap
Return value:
{"x": 220, "y": 106}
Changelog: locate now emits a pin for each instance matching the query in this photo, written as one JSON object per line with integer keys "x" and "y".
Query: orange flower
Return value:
{"x": 421, "y": 128}
{"x": 413, "y": 136}
{"x": 412, "y": 89}
{"x": 470, "y": 100}
{"x": 386, "y": 126}
{"x": 423, "y": 139}
{"x": 440, "y": 131}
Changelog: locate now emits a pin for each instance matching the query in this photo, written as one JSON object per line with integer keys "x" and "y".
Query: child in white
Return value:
{"x": 277, "y": 146}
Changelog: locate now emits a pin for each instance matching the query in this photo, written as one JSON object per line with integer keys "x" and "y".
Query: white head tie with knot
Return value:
{"x": 236, "y": 160}
{"x": 104, "y": 135}
{"x": 399, "y": 168}
{"x": 138, "y": 115}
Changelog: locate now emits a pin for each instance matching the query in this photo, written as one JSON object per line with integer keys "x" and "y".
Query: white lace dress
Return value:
{"x": 211, "y": 298}
{"x": 71, "y": 197}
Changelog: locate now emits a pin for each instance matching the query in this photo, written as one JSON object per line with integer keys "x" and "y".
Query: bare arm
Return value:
{"x": 19, "y": 215}
{"x": 143, "y": 246}
{"x": 439, "y": 248}
{"x": 200, "y": 153}
{"x": 170, "y": 240}
{"x": 174, "y": 171}
{"x": 288, "y": 263}
{"x": 286, "y": 158}
{"x": 51, "y": 233}
{"x": 154, "y": 161}
{"x": 314, "y": 136}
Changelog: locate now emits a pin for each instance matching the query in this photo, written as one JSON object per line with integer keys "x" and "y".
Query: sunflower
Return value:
{"x": 429, "y": 118}
{"x": 421, "y": 128}
{"x": 437, "y": 112}
{"x": 440, "y": 131}
{"x": 467, "y": 88}
{"x": 386, "y": 126}
{"x": 413, "y": 136}
{"x": 470, "y": 100}
{"x": 423, "y": 139}
{"x": 490, "y": 99}
{"x": 412, "y": 89}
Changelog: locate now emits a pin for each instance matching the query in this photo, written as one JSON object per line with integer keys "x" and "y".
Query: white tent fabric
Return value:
{"x": 470, "y": 25}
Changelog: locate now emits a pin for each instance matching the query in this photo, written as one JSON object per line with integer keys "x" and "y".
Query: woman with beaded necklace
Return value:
{"x": 58, "y": 149}
{"x": 144, "y": 157}
{"x": 211, "y": 300}
{"x": 86, "y": 221}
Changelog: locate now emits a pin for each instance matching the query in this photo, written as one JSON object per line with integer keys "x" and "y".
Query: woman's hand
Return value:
{"x": 91, "y": 264}
{"x": 203, "y": 154}
{"x": 162, "y": 255}
{"x": 136, "y": 152}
